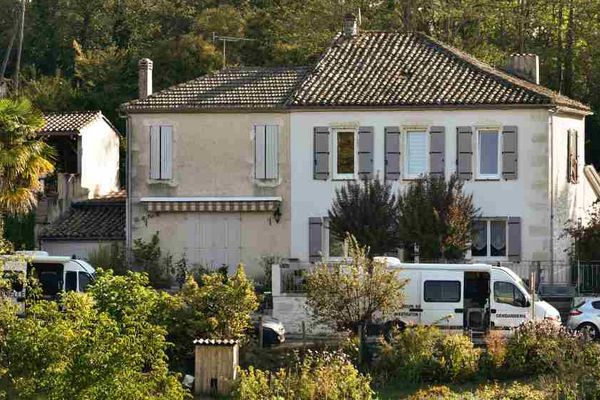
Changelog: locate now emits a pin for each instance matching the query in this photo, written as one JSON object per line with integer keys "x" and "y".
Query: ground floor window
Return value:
{"x": 490, "y": 238}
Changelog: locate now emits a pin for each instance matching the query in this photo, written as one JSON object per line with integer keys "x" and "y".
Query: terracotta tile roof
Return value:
{"x": 94, "y": 219}
{"x": 409, "y": 69}
{"x": 239, "y": 88}
{"x": 69, "y": 122}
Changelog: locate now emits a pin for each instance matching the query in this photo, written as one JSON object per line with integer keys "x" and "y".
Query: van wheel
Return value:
{"x": 590, "y": 330}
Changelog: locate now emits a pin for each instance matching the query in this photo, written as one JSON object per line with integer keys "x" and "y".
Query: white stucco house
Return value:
{"x": 245, "y": 162}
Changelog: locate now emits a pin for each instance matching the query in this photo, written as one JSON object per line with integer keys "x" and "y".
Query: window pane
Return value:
{"x": 488, "y": 152}
{"x": 84, "y": 281}
{"x": 498, "y": 238}
{"x": 416, "y": 152}
{"x": 479, "y": 243}
{"x": 442, "y": 291}
{"x": 336, "y": 246}
{"x": 345, "y": 152}
{"x": 71, "y": 281}
{"x": 507, "y": 293}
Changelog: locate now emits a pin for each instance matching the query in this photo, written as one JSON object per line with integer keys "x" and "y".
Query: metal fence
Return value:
{"x": 293, "y": 278}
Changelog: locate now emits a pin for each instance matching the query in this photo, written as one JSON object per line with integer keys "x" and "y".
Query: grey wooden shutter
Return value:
{"x": 365, "y": 152}
{"x": 437, "y": 151}
{"x": 514, "y": 238}
{"x": 321, "y": 153}
{"x": 271, "y": 152}
{"x": 510, "y": 154}
{"x": 166, "y": 152}
{"x": 572, "y": 156}
{"x": 315, "y": 238}
{"x": 259, "y": 151}
{"x": 392, "y": 153}
{"x": 154, "y": 152}
{"x": 464, "y": 162}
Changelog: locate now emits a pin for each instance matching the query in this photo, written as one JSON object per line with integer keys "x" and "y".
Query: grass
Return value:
{"x": 402, "y": 390}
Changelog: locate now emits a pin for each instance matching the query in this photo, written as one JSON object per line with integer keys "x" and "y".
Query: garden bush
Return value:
{"x": 514, "y": 391}
{"x": 542, "y": 348}
{"x": 423, "y": 353}
{"x": 324, "y": 375}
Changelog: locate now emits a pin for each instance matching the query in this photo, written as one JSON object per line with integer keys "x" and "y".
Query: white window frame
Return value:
{"x": 405, "y": 153}
{"x": 488, "y": 224}
{"x": 479, "y": 175}
{"x": 334, "y": 153}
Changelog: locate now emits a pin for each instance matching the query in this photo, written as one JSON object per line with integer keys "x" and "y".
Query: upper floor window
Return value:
{"x": 161, "y": 159}
{"x": 488, "y": 154}
{"x": 344, "y": 150}
{"x": 573, "y": 157}
{"x": 489, "y": 238}
{"x": 266, "y": 152}
{"x": 416, "y": 150}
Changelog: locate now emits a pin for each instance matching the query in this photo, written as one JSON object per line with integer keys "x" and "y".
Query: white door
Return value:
{"x": 442, "y": 299}
{"x": 509, "y": 305}
{"x": 216, "y": 240}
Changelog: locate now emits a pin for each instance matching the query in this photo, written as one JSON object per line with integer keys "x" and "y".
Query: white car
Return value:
{"x": 585, "y": 317}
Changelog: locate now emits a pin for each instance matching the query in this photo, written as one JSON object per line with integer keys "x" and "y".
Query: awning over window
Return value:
{"x": 211, "y": 204}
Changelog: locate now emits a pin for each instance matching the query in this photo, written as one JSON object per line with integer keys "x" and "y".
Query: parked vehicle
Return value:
{"x": 585, "y": 317}
{"x": 476, "y": 297}
{"x": 55, "y": 274}
{"x": 273, "y": 330}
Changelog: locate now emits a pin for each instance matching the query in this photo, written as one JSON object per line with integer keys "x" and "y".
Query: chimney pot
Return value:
{"x": 350, "y": 25}
{"x": 525, "y": 66}
{"x": 144, "y": 78}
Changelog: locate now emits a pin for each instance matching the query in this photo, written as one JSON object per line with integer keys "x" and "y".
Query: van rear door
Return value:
{"x": 442, "y": 299}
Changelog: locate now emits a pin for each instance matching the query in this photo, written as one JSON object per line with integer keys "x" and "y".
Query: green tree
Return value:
{"x": 349, "y": 295}
{"x": 436, "y": 215}
{"x": 368, "y": 210}
{"x": 586, "y": 237}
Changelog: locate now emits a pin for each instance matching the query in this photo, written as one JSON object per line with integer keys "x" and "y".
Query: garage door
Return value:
{"x": 216, "y": 241}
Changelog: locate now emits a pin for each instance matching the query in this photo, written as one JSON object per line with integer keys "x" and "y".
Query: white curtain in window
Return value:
{"x": 488, "y": 152}
{"x": 479, "y": 238}
{"x": 416, "y": 150}
{"x": 498, "y": 238}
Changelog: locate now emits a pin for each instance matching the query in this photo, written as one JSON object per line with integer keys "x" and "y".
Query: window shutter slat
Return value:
{"x": 465, "y": 153}
{"x": 321, "y": 153}
{"x": 510, "y": 153}
{"x": 259, "y": 152}
{"x": 514, "y": 238}
{"x": 315, "y": 238}
{"x": 365, "y": 152}
{"x": 392, "y": 153}
{"x": 166, "y": 154}
{"x": 437, "y": 151}
{"x": 272, "y": 150}
{"x": 154, "y": 152}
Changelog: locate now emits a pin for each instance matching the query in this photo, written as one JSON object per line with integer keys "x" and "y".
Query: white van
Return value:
{"x": 475, "y": 297}
{"x": 54, "y": 273}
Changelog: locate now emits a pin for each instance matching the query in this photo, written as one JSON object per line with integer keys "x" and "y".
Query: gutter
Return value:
{"x": 551, "y": 150}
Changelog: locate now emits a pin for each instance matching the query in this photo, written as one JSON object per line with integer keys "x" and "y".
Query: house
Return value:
{"x": 209, "y": 166}
{"x": 86, "y": 164}
{"x": 87, "y": 226}
{"x": 377, "y": 104}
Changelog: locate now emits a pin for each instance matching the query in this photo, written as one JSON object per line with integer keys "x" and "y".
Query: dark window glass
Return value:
{"x": 596, "y": 305}
{"x": 84, "y": 281}
{"x": 71, "y": 281}
{"x": 507, "y": 293}
{"x": 442, "y": 291}
{"x": 479, "y": 243}
{"x": 345, "y": 152}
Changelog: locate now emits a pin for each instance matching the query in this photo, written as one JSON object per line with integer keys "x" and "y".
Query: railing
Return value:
{"x": 587, "y": 277}
{"x": 293, "y": 278}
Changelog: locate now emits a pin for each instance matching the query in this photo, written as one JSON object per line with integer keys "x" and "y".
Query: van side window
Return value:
{"x": 84, "y": 281}
{"x": 442, "y": 291}
{"x": 71, "y": 281}
{"x": 507, "y": 293}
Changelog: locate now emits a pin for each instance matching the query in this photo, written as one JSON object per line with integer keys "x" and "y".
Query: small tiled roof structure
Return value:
{"x": 216, "y": 342}
{"x": 101, "y": 218}
{"x": 412, "y": 69}
{"x": 239, "y": 88}
{"x": 71, "y": 122}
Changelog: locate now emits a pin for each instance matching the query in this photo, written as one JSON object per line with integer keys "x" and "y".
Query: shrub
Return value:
{"x": 149, "y": 258}
{"x": 493, "y": 358}
{"x": 456, "y": 359}
{"x": 514, "y": 391}
{"x": 541, "y": 347}
{"x": 109, "y": 257}
{"x": 436, "y": 393}
{"x": 325, "y": 375}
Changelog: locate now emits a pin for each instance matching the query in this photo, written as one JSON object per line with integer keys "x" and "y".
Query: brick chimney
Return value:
{"x": 350, "y": 25}
{"x": 144, "y": 78}
{"x": 525, "y": 66}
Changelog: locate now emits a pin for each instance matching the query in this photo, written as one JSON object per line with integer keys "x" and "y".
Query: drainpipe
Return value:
{"x": 551, "y": 127}
{"x": 128, "y": 189}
